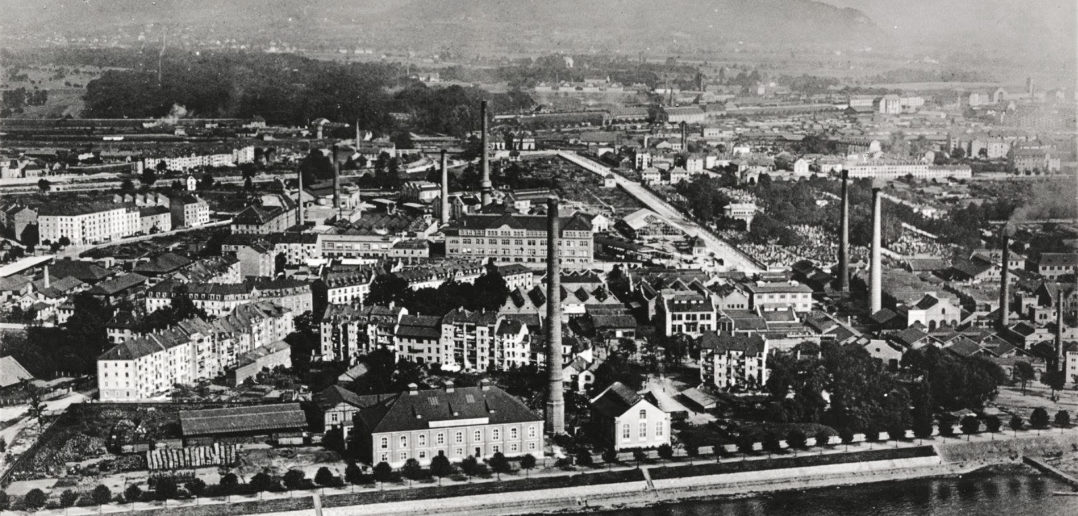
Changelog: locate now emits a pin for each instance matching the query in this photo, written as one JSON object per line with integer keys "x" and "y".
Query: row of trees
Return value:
{"x": 488, "y": 292}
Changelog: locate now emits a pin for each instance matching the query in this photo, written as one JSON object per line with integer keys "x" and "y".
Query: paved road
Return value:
{"x": 732, "y": 257}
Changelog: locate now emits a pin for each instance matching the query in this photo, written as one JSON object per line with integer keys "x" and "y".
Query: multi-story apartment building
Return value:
{"x": 453, "y": 421}
{"x": 189, "y": 211}
{"x": 418, "y": 338}
{"x": 468, "y": 340}
{"x": 87, "y": 223}
{"x": 348, "y": 331}
{"x": 519, "y": 239}
{"x": 192, "y": 161}
{"x": 146, "y": 366}
{"x": 733, "y": 362}
{"x": 274, "y": 214}
{"x": 218, "y": 299}
{"x": 1054, "y": 265}
{"x": 345, "y": 288}
{"x": 775, "y": 295}
{"x": 886, "y": 169}
{"x": 155, "y": 219}
{"x": 684, "y": 311}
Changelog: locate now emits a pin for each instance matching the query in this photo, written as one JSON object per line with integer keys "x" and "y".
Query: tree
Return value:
{"x": 1063, "y": 419}
{"x": 1039, "y": 418}
{"x": 5, "y": 501}
{"x": 746, "y": 443}
{"x": 691, "y": 450}
{"x": 992, "y": 423}
{"x": 527, "y": 463}
{"x": 666, "y": 452}
{"x": 383, "y": 472}
{"x": 133, "y": 493}
{"x": 970, "y": 425}
{"x": 35, "y": 499}
{"x": 166, "y": 488}
{"x": 101, "y": 495}
{"x": 68, "y": 498}
{"x": 389, "y": 288}
{"x": 196, "y": 486}
{"x": 946, "y": 423}
{"x": 500, "y": 464}
{"x": 823, "y": 437}
{"x": 584, "y": 459}
{"x": 639, "y": 456}
{"x": 610, "y": 456}
{"x": 148, "y": 177}
{"x": 872, "y": 433}
{"x": 127, "y": 185}
{"x": 796, "y": 439}
{"x": 324, "y": 477}
{"x": 294, "y": 479}
{"x": 44, "y": 185}
{"x": 263, "y": 482}
{"x": 1016, "y": 422}
{"x": 412, "y": 470}
{"x": 352, "y": 473}
{"x": 771, "y": 443}
{"x": 1024, "y": 373}
{"x": 229, "y": 482}
{"x": 1054, "y": 380}
{"x": 441, "y": 467}
{"x": 36, "y": 408}
{"x": 469, "y": 466}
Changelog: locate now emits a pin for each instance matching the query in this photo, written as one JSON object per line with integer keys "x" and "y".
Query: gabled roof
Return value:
{"x": 416, "y": 410}
{"x": 615, "y": 400}
{"x": 335, "y": 395}
{"x": 88, "y": 272}
{"x": 12, "y": 372}
{"x": 911, "y": 335}
{"x": 118, "y": 284}
{"x": 725, "y": 342}
{"x": 420, "y": 327}
{"x": 576, "y": 222}
{"x": 258, "y": 418}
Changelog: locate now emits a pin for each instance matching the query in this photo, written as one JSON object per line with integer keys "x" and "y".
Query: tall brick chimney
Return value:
{"x": 555, "y": 404}
{"x": 485, "y": 186}
{"x": 844, "y": 243}
{"x": 336, "y": 181}
{"x": 876, "y": 272}
{"x": 445, "y": 188}
{"x": 299, "y": 196}
{"x": 1005, "y": 280}
{"x": 1061, "y": 354}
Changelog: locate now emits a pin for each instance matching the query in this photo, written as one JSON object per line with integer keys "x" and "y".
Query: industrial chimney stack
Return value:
{"x": 336, "y": 181}
{"x": 555, "y": 405}
{"x": 299, "y": 196}
{"x": 1061, "y": 354}
{"x": 876, "y": 273}
{"x": 844, "y": 244}
{"x": 445, "y": 188}
{"x": 485, "y": 185}
{"x": 1005, "y": 281}
{"x": 684, "y": 137}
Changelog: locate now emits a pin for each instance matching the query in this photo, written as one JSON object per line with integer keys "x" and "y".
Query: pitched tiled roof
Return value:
{"x": 420, "y": 327}
{"x": 258, "y": 418}
{"x": 724, "y": 342}
{"x": 416, "y": 410}
{"x": 615, "y": 400}
{"x": 12, "y": 372}
{"x": 577, "y": 222}
{"x": 118, "y": 284}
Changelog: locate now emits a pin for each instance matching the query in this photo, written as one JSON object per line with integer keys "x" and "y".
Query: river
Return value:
{"x": 1005, "y": 493}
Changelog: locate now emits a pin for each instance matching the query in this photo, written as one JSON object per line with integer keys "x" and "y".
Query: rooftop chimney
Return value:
{"x": 555, "y": 404}
{"x": 844, "y": 244}
{"x": 445, "y": 189}
{"x": 336, "y": 181}
{"x": 449, "y": 386}
{"x": 484, "y": 385}
{"x": 1005, "y": 281}
{"x": 413, "y": 389}
{"x": 485, "y": 185}
{"x": 876, "y": 278}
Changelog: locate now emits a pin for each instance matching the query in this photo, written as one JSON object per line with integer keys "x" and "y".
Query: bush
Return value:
{"x": 294, "y": 479}
{"x": 1063, "y": 418}
{"x": 796, "y": 439}
{"x": 584, "y": 459}
{"x": 195, "y": 486}
{"x": 133, "y": 493}
{"x": 971, "y": 425}
{"x": 1016, "y": 422}
{"x": 263, "y": 482}
{"x": 666, "y": 452}
{"x": 34, "y": 499}
{"x": 992, "y": 423}
{"x": 101, "y": 495}
{"x": 1039, "y": 418}
{"x": 639, "y": 455}
{"x": 68, "y": 498}
{"x": 383, "y": 471}
{"x": 610, "y": 456}
{"x": 823, "y": 437}
{"x": 354, "y": 475}
{"x": 166, "y": 488}
{"x": 324, "y": 477}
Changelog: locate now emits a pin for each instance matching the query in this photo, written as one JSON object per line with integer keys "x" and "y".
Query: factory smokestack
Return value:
{"x": 844, "y": 243}
{"x": 684, "y": 137}
{"x": 876, "y": 272}
{"x": 555, "y": 405}
{"x": 1061, "y": 358}
{"x": 485, "y": 186}
{"x": 336, "y": 181}
{"x": 299, "y": 197}
{"x": 445, "y": 188}
{"x": 1005, "y": 280}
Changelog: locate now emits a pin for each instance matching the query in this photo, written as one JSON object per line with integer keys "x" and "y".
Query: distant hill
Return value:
{"x": 567, "y": 25}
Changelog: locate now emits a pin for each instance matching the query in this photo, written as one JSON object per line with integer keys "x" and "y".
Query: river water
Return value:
{"x": 1009, "y": 493}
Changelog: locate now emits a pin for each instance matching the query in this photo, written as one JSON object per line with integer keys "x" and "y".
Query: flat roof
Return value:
{"x": 23, "y": 264}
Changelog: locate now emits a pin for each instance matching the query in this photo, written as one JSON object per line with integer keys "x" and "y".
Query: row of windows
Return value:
{"x": 457, "y": 452}
{"x": 626, "y": 430}
{"x": 458, "y": 437}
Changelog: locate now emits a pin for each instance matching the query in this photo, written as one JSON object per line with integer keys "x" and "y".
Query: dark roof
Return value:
{"x": 1059, "y": 259}
{"x": 335, "y": 395}
{"x": 420, "y": 327}
{"x": 118, "y": 284}
{"x": 88, "y": 272}
{"x": 164, "y": 263}
{"x": 911, "y": 335}
{"x": 258, "y": 418}
{"x": 884, "y": 316}
{"x": 153, "y": 210}
{"x": 615, "y": 400}
{"x": 577, "y": 222}
{"x": 725, "y": 342}
{"x": 415, "y": 410}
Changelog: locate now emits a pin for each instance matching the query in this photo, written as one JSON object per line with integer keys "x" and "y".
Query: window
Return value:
{"x": 332, "y": 418}
{"x": 385, "y": 457}
{"x": 460, "y": 452}
{"x": 513, "y": 447}
{"x": 404, "y": 441}
{"x": 439, "y": 439}
{"x": 384, "y": 443}
{"x": 422, "y": 454}
{"x": 531, "y": 432}
{"x": 659, "y": 429}
{"x": 643, "y": 414}
{"x": 477, "y": 436}
{"x": 643, "y": 429}
{"x": 495, "y": 434}
{"x": 625, "y": 431}
{"x": 513, "y": 433}
{"x": 459, "y": 437}
{"x": 422, "y": 440}
{"x": 404, "y": 456}
{"x": 531, "y": 446}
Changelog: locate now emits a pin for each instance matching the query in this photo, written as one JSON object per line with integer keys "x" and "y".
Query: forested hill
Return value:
{"x": 476, "y": 26}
